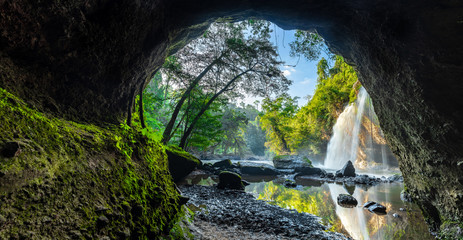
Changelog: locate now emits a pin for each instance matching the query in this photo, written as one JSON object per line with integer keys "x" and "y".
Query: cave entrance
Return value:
{"x": 274, "y": 140}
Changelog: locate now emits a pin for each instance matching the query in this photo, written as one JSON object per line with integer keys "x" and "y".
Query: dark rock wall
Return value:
{"x": 86, "y": 60}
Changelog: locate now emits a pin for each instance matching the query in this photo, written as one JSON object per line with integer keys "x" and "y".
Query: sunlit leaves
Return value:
{"x": 306, "y": 44}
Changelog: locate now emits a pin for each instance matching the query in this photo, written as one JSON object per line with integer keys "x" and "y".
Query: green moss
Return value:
{"x": 180, "y": 152}
{"x": 451, "y": 230}
{"x": 67, "y": 174}
{"x": 307, "y": 160}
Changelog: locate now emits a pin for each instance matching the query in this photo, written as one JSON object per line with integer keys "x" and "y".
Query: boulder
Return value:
{"x": 368, "y": 204}
{"x": 181, "y": 163}
{"x": 395, "y": 178}
{"x": 377, "y": 208}
{"x": 290, "y": 162}
{"x": 346, "y": 200}
{"x": 230, "y": 180}
{"x": 258, "y": 169}
{"x": 206, "y": 166}
{"x": 365, "y": 179}
{"x": 223, "y": 164}
{"x": 309, "y": 171}
{"x": 347, "y": 171}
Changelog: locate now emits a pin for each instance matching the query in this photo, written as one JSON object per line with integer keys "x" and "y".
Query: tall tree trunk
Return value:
{"x": 282, "y": 137}
{"x": 167, "y": 132}
{"x": 205, "y": 107}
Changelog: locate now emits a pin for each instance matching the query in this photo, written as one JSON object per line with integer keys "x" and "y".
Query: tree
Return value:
{"x": 255, "y": 137}
{"x": 275, "y": 121}
{"x": 228, "y": 60}
{"x": 307, "y": 44}
{"x": 234, "y": 123}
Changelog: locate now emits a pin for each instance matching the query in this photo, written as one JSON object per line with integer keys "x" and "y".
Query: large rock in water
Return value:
{"x": 375, "y": 207}
{"x": 230, "y": 180}
{"x": 347, "y": 171}
{"x": 346, "y": 200}
{"x": 258, "y": 169}
{"x": 289, "y": 162}
{"x": 181, "y": 163}
{"x": 309, "y": 171}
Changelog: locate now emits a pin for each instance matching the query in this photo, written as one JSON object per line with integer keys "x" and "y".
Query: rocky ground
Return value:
{"x": 231, "y": 214}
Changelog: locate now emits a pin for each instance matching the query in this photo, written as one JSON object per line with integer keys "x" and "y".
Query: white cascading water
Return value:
{"x": 343, "y": 145}
{"x": 345, "y": 141}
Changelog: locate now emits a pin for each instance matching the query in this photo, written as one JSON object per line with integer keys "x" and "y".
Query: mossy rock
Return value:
{"x": 223, "y": 164}
{"x": 80, "y": 181}
{"x": 230, "y": 180}
{"x": 181, "y": 163}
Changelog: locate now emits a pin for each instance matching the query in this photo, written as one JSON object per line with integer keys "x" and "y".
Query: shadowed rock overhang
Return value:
{"x": 87, "y": 60}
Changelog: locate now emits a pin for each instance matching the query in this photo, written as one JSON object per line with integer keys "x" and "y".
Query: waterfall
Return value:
{"x": 357, "y": 137}
{"x": 343, "y": 145}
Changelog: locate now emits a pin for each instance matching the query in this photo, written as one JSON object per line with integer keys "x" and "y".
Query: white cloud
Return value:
{"x": 291, "y": 69}
{"x": 306, "y": 81}
{"x": 286, "y": 73}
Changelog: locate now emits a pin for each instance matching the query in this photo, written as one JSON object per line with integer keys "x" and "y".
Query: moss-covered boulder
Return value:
{"x": 230, "y": 180}
{"x": 290, "y": 161}
{"x": 66, "y": 180}
{"x": 226, "y": 163}
{"x": 181, "y": 163}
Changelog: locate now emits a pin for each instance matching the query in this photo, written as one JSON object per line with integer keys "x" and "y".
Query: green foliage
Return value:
{"x": 226, "y": 62}
{"x": 313, "y": 124}
{"x": 255, "y": 137}
{"x": 306, "y": 44}
{"x": 276, "y": 119}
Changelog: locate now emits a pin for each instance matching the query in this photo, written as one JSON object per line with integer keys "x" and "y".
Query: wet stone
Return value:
{"x": 368, "y": 204}
{"x": 346, "y": 200}
{"x": 230, "y": 180}
{"x": 377, "y": 208}
{"x": 223, "y": 164}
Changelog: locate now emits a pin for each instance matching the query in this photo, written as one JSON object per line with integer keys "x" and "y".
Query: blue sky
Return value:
{"x": 302, "y": 73}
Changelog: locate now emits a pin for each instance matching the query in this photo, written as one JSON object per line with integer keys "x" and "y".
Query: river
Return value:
{"x": 319, "y": 198}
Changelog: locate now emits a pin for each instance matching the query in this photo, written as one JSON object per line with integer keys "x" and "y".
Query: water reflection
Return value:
{"x": 359, "y": 223}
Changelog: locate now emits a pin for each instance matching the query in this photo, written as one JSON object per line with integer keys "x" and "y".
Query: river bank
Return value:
{"x": 310, "y": 194}
{"x": 231, "y": 214}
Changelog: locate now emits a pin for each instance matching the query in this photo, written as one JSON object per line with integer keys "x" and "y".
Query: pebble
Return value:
{"x": 241, "y": 210}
